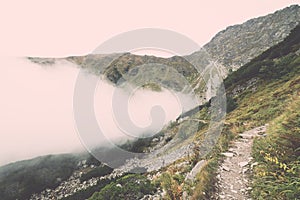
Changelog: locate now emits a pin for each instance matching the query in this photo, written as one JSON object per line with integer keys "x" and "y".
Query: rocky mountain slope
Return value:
{"x": 261, "y": 91}
{"x": 238, "y": 44}
{"x": 264, "y": 93}
{"x": 229, "y": 49}
{"x": 257, "y": 93}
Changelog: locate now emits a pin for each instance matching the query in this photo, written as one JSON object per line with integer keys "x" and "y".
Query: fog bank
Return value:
{"x": 37, "y": 111}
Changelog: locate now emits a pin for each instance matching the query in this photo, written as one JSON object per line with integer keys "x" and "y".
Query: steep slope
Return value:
{"x": 265, "y": 91}
{"x": 276, "y": 175}
{"x": 21, "y": 179}
{"x": 257, "y": 93}
{"x": 258, "y": 100}
{"x": 238, "y": 44}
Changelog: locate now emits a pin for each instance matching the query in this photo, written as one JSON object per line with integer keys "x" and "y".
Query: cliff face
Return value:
{"x": 238, "y": 44}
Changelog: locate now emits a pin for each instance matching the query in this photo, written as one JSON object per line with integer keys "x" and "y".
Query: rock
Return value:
{"x": 156, "y": 198}
{"x": 246, "y": 136}
{"x": 243, "y": 164}
{"x": 226, "y": 168}
{"x": 254, "y": 164}
{"x": 195, "y": 170}
{"x": 228, "y": 154}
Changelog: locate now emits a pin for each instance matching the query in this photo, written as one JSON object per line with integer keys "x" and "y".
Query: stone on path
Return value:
{"x": 228, "y": 154}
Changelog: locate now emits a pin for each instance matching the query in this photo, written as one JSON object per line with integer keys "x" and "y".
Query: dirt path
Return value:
{"x": 233, "y": 174}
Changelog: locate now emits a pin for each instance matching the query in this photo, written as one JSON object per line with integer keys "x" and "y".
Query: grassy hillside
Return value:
{"x": 266, "y": 90}
{"x": 21, "y": 179}
{"x": 258, "y": 93}
{"x": 148, "y": 70}
{"x": 277, "y": 175}
{"x": 132, "y": 186}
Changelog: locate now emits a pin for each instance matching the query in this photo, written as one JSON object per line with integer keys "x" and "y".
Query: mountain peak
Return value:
{"x": 238, "y": 44}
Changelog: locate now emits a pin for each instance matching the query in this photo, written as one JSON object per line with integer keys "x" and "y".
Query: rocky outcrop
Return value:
{"x": 238, "y": 44}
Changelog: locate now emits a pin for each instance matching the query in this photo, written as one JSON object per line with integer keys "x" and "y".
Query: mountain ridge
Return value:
{"x": 226, "y": 46}
{"x": 229, "y": 48}
{"x": 253, "y": 106}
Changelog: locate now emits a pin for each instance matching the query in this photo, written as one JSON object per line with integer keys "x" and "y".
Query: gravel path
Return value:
{"x": 233, "y": 174}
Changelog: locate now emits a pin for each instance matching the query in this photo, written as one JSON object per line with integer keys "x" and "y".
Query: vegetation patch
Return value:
{"x": 33, "y": 176}
{"x": 275, "y": 100}
{"x": 277, "y": 175}
{"x": 96, "y": 172}
{"x": 132, "y": 186}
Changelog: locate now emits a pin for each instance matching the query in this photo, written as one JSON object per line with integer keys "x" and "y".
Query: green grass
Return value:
{"x": 204, "y": 186}
{"x": 277, "y": 175}
{"x": 20, "y": 180}
{"x": 274, "y": 99}
{"x": 96, "y": 172}
{"x": 254, "y": 109}
{"x": 132, "y": 186}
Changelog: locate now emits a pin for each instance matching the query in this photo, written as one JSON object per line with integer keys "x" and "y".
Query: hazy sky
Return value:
{"x": 60, "y": 28}
{"x": 36, "y": 103}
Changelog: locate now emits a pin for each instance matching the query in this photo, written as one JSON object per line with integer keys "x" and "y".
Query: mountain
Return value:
{"x": 238, "y": 44}
{"x": 264, "y": 88}
{"x": 229, "y": 49}
{"x": 263, "y": 92}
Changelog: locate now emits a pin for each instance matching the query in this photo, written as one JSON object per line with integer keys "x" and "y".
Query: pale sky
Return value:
{"x": 36, "y": 103}
{"x": 61, "y": 28}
